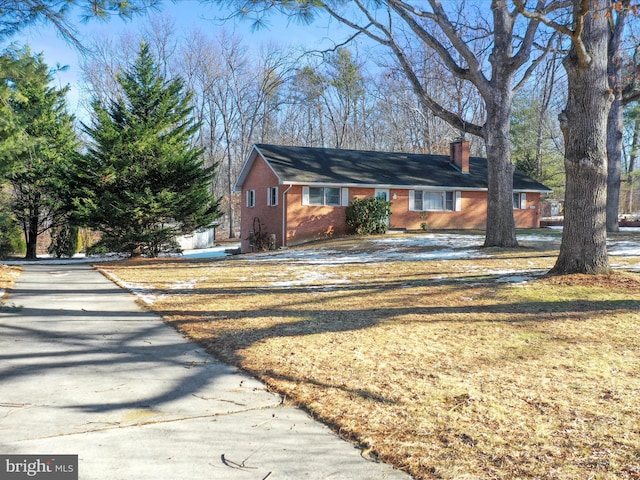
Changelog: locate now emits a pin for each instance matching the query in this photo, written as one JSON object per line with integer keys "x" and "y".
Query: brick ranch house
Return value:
{"x": 297, "y": 194}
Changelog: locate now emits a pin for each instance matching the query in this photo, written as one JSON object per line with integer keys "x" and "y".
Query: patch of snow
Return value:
{"x": 309, "y": 278}
{"x": 436, "y": 246}
{"x": 538, "y": 238}
{"x": 333, "y": 257}
{"x": 144, "y": 294}
{"x": 509, "y": 271}
{"x": 446, "y": 254}
{"x": 434, "y": 240}
{"x": 515, "y": 279}
{"x": 622, "y": 229}
{"x": 214, "y": 252}
{"x": 304, "y": 263}
{"x": 313, "y": 257}
{"x": 625, "y": 249}
{"x": 184, "y": 285}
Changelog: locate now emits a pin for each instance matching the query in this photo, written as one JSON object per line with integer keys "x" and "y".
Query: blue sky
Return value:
{"x": 187, "y": 15}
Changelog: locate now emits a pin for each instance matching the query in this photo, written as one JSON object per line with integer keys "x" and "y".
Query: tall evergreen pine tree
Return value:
{"x": 39, "y": 145}
{"x": 142, "y": 182}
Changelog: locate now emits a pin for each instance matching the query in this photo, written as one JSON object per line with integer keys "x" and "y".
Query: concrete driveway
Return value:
{"x": 84, "y": 370}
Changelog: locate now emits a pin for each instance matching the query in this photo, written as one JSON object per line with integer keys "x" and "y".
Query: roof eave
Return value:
{"x": 404, "y": 187}
{"x": 531, "y": 190}
{"x": 380, "y": 185}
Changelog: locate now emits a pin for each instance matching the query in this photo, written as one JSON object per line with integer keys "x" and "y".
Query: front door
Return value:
{"x": 383, "y": 193}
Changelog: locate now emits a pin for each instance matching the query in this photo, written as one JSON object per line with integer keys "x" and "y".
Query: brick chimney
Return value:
{"x": 460, "y": 154}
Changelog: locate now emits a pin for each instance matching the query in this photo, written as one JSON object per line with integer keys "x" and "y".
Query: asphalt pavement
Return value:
{"x": 84, "y": 370}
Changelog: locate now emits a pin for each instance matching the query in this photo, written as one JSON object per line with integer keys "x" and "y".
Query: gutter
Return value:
{"x": 284, "y": 216}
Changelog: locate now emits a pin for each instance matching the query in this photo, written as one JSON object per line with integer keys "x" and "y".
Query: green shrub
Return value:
{"x": 99, "y": 248}
{"x": 368, "y": 216}
{"x": 11, "y": 238}
{"x": 155, "y": 242}
{"x": 64, "y": 241}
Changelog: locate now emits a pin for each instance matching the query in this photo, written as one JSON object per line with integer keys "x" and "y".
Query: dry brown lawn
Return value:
{"x": 476, "y": 367}
{"x": 8, "y": 275}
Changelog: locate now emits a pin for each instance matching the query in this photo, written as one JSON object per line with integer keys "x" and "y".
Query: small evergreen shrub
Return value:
{"x": 64, "y": 241}
{"x": 11, "y": 238}
{"x": 161, "y": 241}
{"x": 99, "y": 248}
{"x": 368, "y": 216}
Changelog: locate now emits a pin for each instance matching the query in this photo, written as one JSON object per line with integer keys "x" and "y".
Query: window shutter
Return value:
{"x": 523, "y": 201}
{"x": 412, "y": 203}
{"x": 305, "y": 195}
{"x": 458, "y": 201}
{"x": 248, "y": 198}
{"x": 272, "y": 196}
{"x": 345, "y": 197}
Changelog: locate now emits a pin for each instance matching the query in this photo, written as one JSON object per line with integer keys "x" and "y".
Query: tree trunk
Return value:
{"x": 615, "y": 123}
{"x": 584, "y": 126}
{"x": 31, "y": 238}
{"x": 614, "y": 158}
{"x": 232, "y": 233}
{"x": 501, "y": 227}
{"x": 635, "y": 147}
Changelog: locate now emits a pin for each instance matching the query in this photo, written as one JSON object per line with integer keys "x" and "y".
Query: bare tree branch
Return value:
{"x": 542, "y": 16}
{"x": 536, "y": 62}
{"x": 579, "y": 14}
{"x": 474, "y": 70}
{"x": 437, "y": 109}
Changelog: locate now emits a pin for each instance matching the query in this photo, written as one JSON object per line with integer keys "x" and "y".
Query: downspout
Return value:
{"x": 284, "y": 216}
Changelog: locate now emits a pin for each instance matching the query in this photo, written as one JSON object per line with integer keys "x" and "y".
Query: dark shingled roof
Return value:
{"x": 302, "y": 165}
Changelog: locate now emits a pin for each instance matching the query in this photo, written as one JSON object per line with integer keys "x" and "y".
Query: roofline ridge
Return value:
{"x": 384, "y": 152}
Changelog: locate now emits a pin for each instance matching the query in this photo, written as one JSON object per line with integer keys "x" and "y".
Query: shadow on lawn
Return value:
{"x": 461, "y": 281}
{"x": 228, "y": 344}
{"x": 302, "y": 312}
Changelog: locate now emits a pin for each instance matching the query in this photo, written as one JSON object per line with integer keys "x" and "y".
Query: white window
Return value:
{"x": 345, "y": 196}
{"x": 416, "y": 196}
{"x": 329, "y": 196}
{"x": 382, "y": 194}
{"x": 519, "y": 201}
{"x": 251, "y": 198}
{"x": 272, "y": 196}
{"x": 426, "y": 200}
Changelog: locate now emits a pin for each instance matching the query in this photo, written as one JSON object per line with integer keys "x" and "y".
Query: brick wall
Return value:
{"x": 530, "y": 216}
{"x": 308, "y": 222}
{"x": 472, "y": 215}
{"x": 260, "y": 179}
{"x": 305, "y": 223}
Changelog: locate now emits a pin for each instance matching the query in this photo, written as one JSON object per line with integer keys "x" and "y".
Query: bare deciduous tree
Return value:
{"x": 615, "y": 123}
{"x": 494, "y": 56}
{"x": 584, "y": 126}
